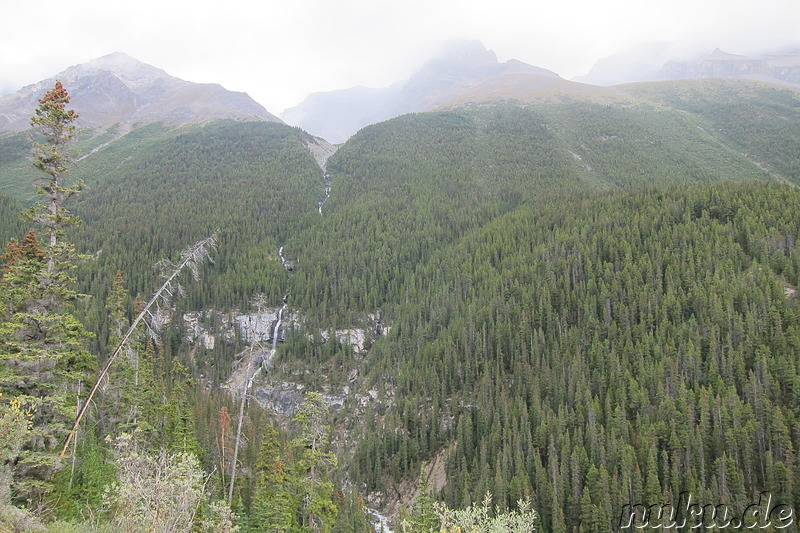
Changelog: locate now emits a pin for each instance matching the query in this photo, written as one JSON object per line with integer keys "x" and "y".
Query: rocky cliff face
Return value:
{"x": 119, "y": 90}
{"x": 779, "y": 67}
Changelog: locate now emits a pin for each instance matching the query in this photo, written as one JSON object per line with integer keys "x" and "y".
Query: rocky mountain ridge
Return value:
{"x": 782, "y": 68}
{"x": 663, "y": 61}
{"x": 464, "y": 72}
{"x": 118, "y": 90}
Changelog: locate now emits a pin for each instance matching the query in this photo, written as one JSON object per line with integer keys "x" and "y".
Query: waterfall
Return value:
{"x": 277, "y": 331}
{"x": 327, "y": 178}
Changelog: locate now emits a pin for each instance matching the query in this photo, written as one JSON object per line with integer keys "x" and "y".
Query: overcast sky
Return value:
{"x": 280, "y": 51}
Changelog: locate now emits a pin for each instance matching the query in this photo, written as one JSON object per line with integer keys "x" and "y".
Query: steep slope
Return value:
{"x": 157, "y": 189}
{"x": 418, "y": 181}
{"x": 523, "y": 281}
{"x": 16, "y": 172}
{"x": 599, "y": 350}
{"x": 571, "y": 315}
{"x": 756, "y": 120}
{"x": 11, "y": 224}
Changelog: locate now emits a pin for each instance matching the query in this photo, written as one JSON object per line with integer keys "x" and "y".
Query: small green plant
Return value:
{"x": 478, "y": 518}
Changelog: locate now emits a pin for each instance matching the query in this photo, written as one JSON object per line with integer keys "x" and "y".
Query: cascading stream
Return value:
{"x": 277, "y": 331}
{"x": 327, "y": 178}
{"x": 380, "y": 523}
{"x": 322, "y": 151}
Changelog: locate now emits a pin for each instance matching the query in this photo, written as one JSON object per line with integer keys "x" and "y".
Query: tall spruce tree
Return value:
{"x": 273, "y": 508}
{"x": 42, "y": 345}
{"x": 423, "y": 518}
{"x": 315, "y": 464}
{"x": 53, "y": 123}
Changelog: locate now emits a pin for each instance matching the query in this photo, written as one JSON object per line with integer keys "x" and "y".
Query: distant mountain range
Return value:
{"x": 117, "y": 90}
{"x": 655, "y": 62}
{"x": 469, "y": 73}
{"x": 782, "y": 68}
{"x": 464, "y": 72}
{"x": 564, "y": 299}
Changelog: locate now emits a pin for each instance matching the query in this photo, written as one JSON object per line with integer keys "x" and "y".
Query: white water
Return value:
{"x": 250, "y": 381}
{"x": 277, "y": 330}
{"x": 379, "y": 522}
{"x": 327, "y": 178}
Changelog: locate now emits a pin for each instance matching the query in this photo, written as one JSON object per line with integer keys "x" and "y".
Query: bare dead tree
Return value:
{"x": 245, "y": 387}
{"x": 191, "y": 258}
{"x": 259, "y": 302}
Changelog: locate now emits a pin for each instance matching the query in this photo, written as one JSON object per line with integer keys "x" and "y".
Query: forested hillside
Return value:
{"x": 600, "y": 350}
{"x": 11, "y": 223}
{"x": 254, "y": 182}
{"x": 757, "y": 120}
{"x": 407, "y": 187}
{"x": 585, "y": 305}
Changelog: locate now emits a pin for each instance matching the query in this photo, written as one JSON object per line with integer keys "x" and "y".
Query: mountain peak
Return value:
{"x": 122, "y": 65}
{"x": 720, "y": 54}
{"x": 119, "y": 89}
{"x": 464, "y": 54}
{"x": 460, "y": 71}
{"x": 472, "y": 58}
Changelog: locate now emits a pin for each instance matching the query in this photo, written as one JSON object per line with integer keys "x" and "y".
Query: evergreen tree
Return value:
{"x": 315, "y": 464}
{"x": 180, "y": 430}
{"x": 54, "y": 123}
{"x": 42, "y": 345}
{"x": 352, "y": 517}
{"x": 423, "y": 517}
{"x": 273, "y": 509}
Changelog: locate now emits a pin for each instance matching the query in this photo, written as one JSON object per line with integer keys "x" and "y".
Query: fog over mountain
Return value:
{"x": 664, "y": 61}
{"x": 463, "y": 72}
{"x": 641, "y": 63}
{"x": 119, "y": 90}
{"x": 467, "y": 72}
{"x": 780, "y": 67}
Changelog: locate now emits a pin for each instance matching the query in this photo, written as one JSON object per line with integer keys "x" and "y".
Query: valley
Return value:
{"x": 582, "y": 302}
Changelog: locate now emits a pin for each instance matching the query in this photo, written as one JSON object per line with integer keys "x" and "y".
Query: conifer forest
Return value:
{"x": 501, "y": 317}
